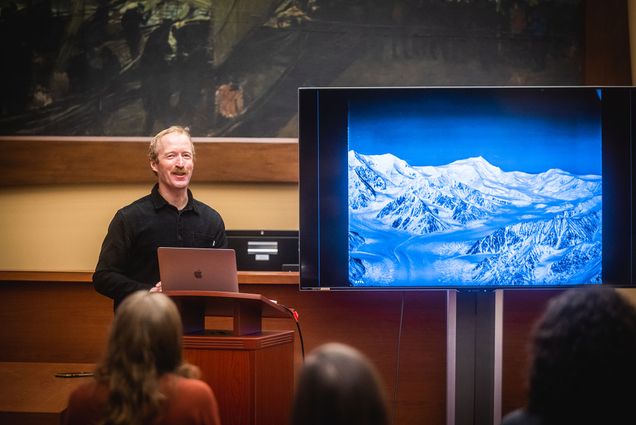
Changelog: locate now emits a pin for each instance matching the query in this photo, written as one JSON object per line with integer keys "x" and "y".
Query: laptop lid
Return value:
{"x": 197, "y": 269}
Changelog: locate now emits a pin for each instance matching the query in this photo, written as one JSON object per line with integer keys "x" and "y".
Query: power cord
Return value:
{"x": 397, "y": 365}
{"x": 294, "y": 315}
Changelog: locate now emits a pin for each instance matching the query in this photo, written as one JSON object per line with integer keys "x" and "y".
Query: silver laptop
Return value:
{"x": 197, "y": 269}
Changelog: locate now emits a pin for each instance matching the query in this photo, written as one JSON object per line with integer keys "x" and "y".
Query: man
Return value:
{"x": 169, "y": 216}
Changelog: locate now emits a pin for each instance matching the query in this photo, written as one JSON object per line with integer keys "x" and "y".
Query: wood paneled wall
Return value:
{"x": 57, "y": 322}
{"x": 402, "y": 332}
{"x": 607, "y": 53}
{"x": 45, "y": 160}
{"x": 521, "y": 309}
{"x": 407, "y": 342}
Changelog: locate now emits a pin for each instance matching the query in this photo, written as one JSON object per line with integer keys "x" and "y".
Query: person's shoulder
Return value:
{"x": 205, "y": 208}
{"x": 521, "y": 417}
{"x": 137, "y": 205}
{"x": 84, "y": 402}
{"x": 191, "y": 401}
{"x": 193, "y": 387}
{"x": 84, "y": 391}
{"x": 186, "y": 388}
{"x": 144, "y": 200}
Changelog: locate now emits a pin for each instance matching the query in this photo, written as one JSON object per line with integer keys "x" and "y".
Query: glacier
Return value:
{"x": 470, "y": 223}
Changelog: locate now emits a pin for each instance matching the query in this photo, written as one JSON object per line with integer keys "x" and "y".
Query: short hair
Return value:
{"x": 144, "y": 344}
{"x": 583, "y": 367}
{"x": 338, "y": 385}
{"x": 153, "y": 155}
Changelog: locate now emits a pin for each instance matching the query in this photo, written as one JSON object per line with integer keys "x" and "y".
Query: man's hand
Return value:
{"x": 156, "y": 288}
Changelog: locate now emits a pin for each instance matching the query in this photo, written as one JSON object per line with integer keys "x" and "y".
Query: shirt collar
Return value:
{"x": 158, "y": 202}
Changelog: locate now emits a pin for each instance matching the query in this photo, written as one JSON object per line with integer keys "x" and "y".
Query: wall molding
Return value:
{"x": 42, "y": 160}
{"x": 244, "y": 277}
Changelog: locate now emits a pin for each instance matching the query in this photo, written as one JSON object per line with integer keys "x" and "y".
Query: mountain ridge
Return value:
{"x": 523, "y": 227}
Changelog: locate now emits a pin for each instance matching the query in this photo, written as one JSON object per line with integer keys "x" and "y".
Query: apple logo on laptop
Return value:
{"x": 198, "y": 274}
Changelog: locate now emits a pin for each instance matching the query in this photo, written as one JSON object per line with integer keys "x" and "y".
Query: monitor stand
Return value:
{"x": 474, "y": 350}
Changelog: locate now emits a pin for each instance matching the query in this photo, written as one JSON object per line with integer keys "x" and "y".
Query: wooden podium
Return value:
{"x": 250, "y": 371}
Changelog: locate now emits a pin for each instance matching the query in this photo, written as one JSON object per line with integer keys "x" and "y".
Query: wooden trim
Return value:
{"x": 252, "y": 278}
{"x": 263, "y": 278}
{"x": 45, "y": 276}
{"x": 606, "y": 38}
{"x": 41, "y": 160}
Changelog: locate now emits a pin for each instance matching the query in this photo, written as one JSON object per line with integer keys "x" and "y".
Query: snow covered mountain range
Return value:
{"x": 469, "y": 222}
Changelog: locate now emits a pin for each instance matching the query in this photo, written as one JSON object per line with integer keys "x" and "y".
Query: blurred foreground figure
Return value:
{"x": 583, "y": 367}
{"x": 338, "y": 385}
{"x": 142, "y": 379}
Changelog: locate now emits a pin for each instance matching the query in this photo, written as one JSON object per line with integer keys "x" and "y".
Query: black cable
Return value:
{"x": 397, "y": 366}
{"x": 294, "y": 315}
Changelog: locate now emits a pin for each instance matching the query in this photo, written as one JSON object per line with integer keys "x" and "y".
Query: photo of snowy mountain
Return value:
{"x": 487, "y": 187}
{"x": 470, "y": 222}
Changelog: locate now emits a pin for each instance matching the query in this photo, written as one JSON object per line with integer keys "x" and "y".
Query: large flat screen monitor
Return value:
{"x": 465, "y": 187}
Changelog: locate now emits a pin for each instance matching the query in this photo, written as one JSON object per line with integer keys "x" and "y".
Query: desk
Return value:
{"x": 31, "y": 394}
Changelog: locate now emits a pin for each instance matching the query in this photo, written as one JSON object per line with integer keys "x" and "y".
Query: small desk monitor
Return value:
{"x": 265, "y": 250}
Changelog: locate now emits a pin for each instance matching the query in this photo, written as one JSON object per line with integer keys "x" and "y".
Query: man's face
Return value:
{"x": 175, "y": 161}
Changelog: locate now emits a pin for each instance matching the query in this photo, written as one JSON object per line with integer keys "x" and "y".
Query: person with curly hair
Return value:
{"x": 583, "y": 367}
{"x": 338, "y": 385}
{"x": 142, "y": 379}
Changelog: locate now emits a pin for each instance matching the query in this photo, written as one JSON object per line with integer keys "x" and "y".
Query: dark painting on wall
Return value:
{"x": 231, "y": 68}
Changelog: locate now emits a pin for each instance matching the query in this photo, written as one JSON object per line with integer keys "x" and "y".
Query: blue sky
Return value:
{"x": 527, "y": 130}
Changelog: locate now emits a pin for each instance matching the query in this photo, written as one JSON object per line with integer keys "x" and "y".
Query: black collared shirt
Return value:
{"x": 128, "y": 259}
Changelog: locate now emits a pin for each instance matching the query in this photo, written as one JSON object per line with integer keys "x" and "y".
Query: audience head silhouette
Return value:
{"x": 142, "y": 378}
{"x": 338, "y": 385}
{"x": 145, "y": 338}
{"x": 583, "y": 367}
{"x": 144, "y": 343}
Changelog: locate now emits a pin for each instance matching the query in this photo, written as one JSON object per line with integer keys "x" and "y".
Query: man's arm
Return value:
{"x": 110, "y": 277}
{"x": 220, "y": 239}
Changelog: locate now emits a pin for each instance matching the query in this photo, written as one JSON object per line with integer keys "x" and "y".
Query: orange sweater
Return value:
{"x": 189, "y": 402}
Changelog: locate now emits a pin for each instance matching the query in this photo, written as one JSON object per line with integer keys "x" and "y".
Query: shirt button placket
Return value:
{"x": 179, "y": 230}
